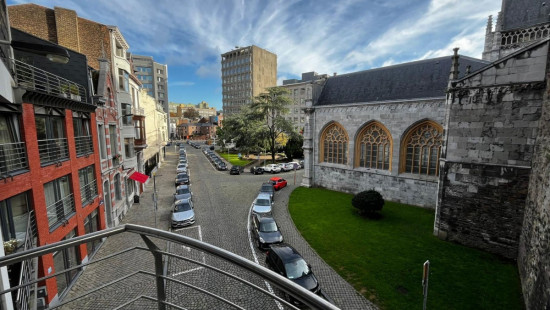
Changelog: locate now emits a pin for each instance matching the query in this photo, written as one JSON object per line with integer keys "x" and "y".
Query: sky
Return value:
{"x": 325, "y": 36}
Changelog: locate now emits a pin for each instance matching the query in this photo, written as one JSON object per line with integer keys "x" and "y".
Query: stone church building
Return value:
{"x": 467, "y": 137}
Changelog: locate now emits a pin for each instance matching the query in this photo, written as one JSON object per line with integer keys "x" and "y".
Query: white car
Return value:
{"x": 181, "y": 168}
{"x": 273, "y": 168}
{"x": 262, "y": 204}
{"x": 297, "y": 164}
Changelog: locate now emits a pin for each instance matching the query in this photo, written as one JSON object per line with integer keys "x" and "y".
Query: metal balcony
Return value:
{"x": 53, "y": 150}
{"x": 189, "y": 274}
{"x": 38, "y": 80}
{"x": 13, "y": 157}
{"x": 138, "y": 111}
{"x": 84, "y": 145}
{"x": 88, "y": 192}
{"x": 61, "y": 210}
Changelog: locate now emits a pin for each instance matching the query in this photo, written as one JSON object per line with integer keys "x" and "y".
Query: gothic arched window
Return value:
{"x": 373, "y": 147}
{"x": 421, "y": 149}
{"x": 334, "y": 145}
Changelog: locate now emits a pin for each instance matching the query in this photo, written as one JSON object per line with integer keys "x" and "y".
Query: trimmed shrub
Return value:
{"x": 368, "y": 202}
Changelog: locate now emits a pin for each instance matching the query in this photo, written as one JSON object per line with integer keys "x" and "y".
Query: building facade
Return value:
{"x": 246, "y": 72}
{"x": 49, "y": 164}
{"x": 155, "y": 132}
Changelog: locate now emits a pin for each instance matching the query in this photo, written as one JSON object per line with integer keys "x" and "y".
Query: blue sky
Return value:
{"x": 325, "y": 36}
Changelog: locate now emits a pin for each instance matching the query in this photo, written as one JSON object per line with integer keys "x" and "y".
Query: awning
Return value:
{"x": 140, "y": 177}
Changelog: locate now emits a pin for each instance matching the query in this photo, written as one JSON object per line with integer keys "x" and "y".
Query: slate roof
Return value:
{"x": 413, "y": 80}
{"x": 518, "y": 14}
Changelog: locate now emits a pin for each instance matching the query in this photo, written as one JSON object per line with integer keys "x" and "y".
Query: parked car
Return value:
{"x": 182, "y": 178}
{"x": 267, "y": 188}
{"x": 221, "y": 166}
{"x": 183, "y": 213}
{"x": 286, "y": 261}
{"x": 287, "y": 167}
{"x": 183, "y": 192}
{"x": 236, "y": 170}
{"x": 262, "y": 205}
{"x": 296, "y": 164}
{"x": 256, "y": 170}
{"x": 278, "y": 183}
{"x": 266, "y": 231}
{"x": 273, "y": 168}
{"x": 181, "y": 168}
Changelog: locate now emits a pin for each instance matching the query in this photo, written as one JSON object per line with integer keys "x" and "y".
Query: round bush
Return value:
{"x": 368, "y": 202}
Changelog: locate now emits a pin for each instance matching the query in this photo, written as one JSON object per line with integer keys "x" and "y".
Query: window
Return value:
{"x": 118, "y": 189}
{"x": 129, "y": 147}
{"x": 14, "y": 218}
{"x": 59, "y": 200}
{"x": 334, "y": 144}
{"x": 101, "y": 137}
{"x": 139, "y": 129}
{"x": 123, "y": 80}
{"x": 161, "y": 87}
{"x": 91, "y": 224}
{"x": 130, "y": 184}
{"x": 113, "y": 142}
{"x": 147, "y": 85}
{"x": 126, "y": 114}
{"x": 65, "y": 259}
{"x": 82, "y": 135}
{"x": 373, "y": 147}
{"x": 13, "y": 155}
{"x": 160, "y": 71}
{"x": 88, "y": 186}
{"x": 421, "y": 149}
{"x": 119, "y": 50}
{"x": 50, "y": 131}
{"x": 160, "y": 79}
{"x": 161, "y": 95}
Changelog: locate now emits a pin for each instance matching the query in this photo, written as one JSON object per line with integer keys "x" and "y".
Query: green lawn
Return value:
{"x": 383, "y": 258}
{"x": 233, "y": 159}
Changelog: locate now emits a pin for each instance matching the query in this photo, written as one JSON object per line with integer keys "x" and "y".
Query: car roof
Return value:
{"x": 265, "y": 219}
{"x": 181, "y": 175}
{"x": 275, "y": 178}
{"x": 182, "y": 187}
{"x": 264, "y": 196}
{"x": 285, "y": 252}
{"x": 180, "y": 201}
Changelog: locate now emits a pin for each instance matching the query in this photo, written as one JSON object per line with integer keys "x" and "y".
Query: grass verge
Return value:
{"x": 233, "y": 159}
{"x": 383, "y": 258}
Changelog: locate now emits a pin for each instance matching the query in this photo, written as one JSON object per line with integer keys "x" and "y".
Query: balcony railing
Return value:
{"x": 84, "y": 145}
{"x": 139, "y": 111}
{"x": 35, "y": 79}
{"x": 60, "y": 210}
{"x": 13, "y": 157}
{"x": 88, "y": 192}
{"x": 52, "y": 150}
{"x": 190, "y": 274}
{"x": 26, "y": 294}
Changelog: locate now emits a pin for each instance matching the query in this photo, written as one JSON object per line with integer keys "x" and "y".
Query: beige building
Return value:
{"x": 246, "y": 72}
{"x": 155, "y": 131}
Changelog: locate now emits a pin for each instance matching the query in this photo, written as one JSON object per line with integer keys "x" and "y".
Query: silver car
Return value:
{"x": 183, "y": 192}
{"x": 262, "y": 204}
{"x": 183, "y": 213}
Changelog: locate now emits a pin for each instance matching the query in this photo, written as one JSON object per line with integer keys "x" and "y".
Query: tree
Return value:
{"x": 191, "y": 113}
{"x": 245, "y": 132}
{"x": 293, "y": 147}
{"x": 268, "y": 108}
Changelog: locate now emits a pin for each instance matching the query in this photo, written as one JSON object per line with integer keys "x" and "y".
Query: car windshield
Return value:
{"x": 182, "y": 207}
{"x": 182, "y": 191}
{"x": 182, "y": 176}
{"x": 297, "y": 269}
{"x": 268, "y": 227}
{"x": 262, "y": 202}
{"x": 267, "y": 188}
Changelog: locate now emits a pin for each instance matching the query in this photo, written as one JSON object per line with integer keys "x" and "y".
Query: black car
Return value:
{"x": 256, "y": 170}
{"x": 221, "y": 166}
{"x": 182, "y": 179}
{"x": 236, "y": 170}
{"x": 286, "y": 261}
{"x": 268, "y": 189}
{"x": 266, "y": 231}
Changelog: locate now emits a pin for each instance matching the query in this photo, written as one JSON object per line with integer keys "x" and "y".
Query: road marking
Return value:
{"x": 269, "y": 288}
{"x": 198, "y": 227}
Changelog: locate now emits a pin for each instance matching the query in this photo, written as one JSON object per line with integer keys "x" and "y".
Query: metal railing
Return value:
{"x": 13, "y": 157}
{"x": 83, "y": 145}
{"x": 222, "y": 280}
{"x": 139, "y": 111}
{"x": 88, "y": 192}
{"x": 26, "y": 294}
{"x": 32, "y": 78}
{"x": 52, "y": 150}
{"x": 60, "y": 210}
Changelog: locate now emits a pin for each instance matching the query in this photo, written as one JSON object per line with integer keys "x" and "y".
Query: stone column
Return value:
{"x": 307, "y": 180}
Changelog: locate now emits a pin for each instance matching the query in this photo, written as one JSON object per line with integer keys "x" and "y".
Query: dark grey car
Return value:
{"x": 265, "y": 231}
{"x": 183, "y": 192}
{"x": 267, "y": 188}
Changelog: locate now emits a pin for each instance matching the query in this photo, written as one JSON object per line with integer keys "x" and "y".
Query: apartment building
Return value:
{"x": 154, "y": 133}
{"x": 246, "y": 72}
{"x": 50, "y": 187}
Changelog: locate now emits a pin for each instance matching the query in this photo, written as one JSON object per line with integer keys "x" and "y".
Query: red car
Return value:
{"x": 278, "y": 183}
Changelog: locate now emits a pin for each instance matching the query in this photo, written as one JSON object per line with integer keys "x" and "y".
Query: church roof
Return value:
{"x": 413, "y": 80}
{"x": 517, "y": 14}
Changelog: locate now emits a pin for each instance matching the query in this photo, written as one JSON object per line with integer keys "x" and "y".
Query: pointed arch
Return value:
{"x": 373, "y": 147}
{"x": 334, "y": 144}
{"x": 421, "y": 148}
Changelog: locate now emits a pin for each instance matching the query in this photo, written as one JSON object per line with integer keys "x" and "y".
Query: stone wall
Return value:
{"x": 492, "y": 123}
{"x": 534, "y": 246}
{"x": 398, "y": 118}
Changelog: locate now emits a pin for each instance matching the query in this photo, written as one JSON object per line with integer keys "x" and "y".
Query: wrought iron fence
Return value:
{"x": 52, "y": 150}
{"x": 60, "y": 210}
{"x": 84, "y": 145}
{"x": 36, "y": 79}
{"x": 200, "y": 276}
{"x": 88, "y": 192}
{"x": 13, "y": 157}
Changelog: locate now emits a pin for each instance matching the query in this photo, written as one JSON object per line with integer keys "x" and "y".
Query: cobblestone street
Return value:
{"x": 222, "y": 204}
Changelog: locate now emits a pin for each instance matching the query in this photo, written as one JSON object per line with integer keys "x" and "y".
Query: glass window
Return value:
{"x": 91, "y": 224}
{"x": 88, "y": 186}
{"x": 373, "y": 147}
{"x": 118, "y": 189}
{"x": 129, "y": 147}
{"x": 123, "y": 80}
{"x": 14, "y": 217}
{"x": 12, "y": 151}
{"x": 334, "y": 144}
{"x": 59, "y": 200}
{"x": 422, "y": 148}
{"x": 101, "y": 137}
{"x": 65, "y": 259}
{"x": 113, "y": 140}
{"x": 130, "y": 184}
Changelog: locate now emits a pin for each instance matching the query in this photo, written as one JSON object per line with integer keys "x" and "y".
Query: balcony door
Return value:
{"x": 50, "y": 131}
{"x": 13, "y": 155}
{"x": 14, "y": 218}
